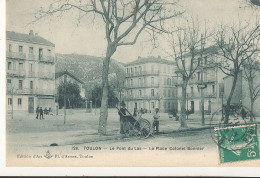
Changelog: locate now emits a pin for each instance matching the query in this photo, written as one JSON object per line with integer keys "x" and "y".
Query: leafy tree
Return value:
{"x": 71, "y": 91}
{"x": 96, "y": 95}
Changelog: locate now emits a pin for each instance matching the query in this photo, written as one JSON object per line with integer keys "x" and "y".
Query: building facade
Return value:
{"x": 242, "y": 92}
{"x": 30, "y": 68}
{"x": 60, "y": 78}
{"x": 149, "y": 84}
{"x": 208, "y": 75}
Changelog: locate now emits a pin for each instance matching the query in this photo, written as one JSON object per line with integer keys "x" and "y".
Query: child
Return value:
{"x": 156, "y": 120}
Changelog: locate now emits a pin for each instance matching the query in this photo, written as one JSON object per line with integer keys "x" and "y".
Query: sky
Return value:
{"x": 69, "y": 36}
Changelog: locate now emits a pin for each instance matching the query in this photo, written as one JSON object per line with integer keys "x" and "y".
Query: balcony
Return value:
{"x": 45, "y": 91}
{"x": 142, "y": 73}
{"x": 20, "y": 91}
{"x": 31, "y": 57}
{"x": 142, "y": 97}
{"x": 15, "y": 55}
{"x": 26, "y": 91}
{"x": 210, "y": 80}
{"x": 31, "y": 74}
{"x": 143, "y": 85}
{"x": 46, "y": 59}
{"x": 46, "y": 75}
{"x": 16, "y": 73}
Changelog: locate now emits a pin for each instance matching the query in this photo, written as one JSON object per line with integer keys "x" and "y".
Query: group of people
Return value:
{"x": 39, "y": 110}
{"x": 123, "y": 116}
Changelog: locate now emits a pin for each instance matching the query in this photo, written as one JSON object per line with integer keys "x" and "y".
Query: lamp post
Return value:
{"x": 222, "y": 112}
{"x": 12, "y": 92}
{"x": 187, "y": 106}
{"x": 64, "y": 97}
{"x": 201, "y": 86}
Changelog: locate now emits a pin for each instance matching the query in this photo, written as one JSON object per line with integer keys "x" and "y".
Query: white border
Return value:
{"x": 103, "y": 171}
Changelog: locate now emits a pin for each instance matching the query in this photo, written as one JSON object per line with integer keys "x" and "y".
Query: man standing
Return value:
{"x": 122, "y": 114}
{"x": 41, "y": 113}
{"x": 37, "y": 112}
{"x": 156, "y": 121}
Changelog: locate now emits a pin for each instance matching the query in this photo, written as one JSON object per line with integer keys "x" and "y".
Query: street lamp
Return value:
{"x": 187, "y": 106}
{"x": 222, "y": 112}
{"x": 202, "y": 86}
{"x": 64, "y": 97}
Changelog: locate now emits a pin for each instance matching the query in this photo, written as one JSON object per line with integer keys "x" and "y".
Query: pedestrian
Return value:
{"x": 37, "y": 112}
{"x": 156, "y": 121}
{"x": 45, "y": 111}
{"x": 41, "y": 113}
{"x": 122, "y": 114}
{"x": 135, "y": 112}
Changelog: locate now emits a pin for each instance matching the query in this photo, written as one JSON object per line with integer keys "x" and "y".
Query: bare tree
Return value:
{"x": 188, "y": 47}
{"x": 123, "y": 21}
{"x": 251, "y": 71}
{"x": 237, "y": 46}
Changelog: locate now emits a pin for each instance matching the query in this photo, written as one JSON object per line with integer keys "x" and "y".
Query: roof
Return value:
{"x": 10, "y": 35}
{"x": 150, "y": 59}
{"x": 209, "y": 50}
{"x": 59, "y": 74}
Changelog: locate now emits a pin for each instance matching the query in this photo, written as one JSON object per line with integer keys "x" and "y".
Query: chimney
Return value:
{"x": 31, "y": 33}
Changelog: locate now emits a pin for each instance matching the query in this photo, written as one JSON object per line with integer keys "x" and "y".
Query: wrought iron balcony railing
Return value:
{"x": 16, "y": 55}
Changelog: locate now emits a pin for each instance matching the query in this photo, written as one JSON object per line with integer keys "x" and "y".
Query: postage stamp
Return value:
{"x": 237, "y": 143}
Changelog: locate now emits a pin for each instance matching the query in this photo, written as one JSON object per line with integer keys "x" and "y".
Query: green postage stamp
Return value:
{"x": 237, "y": 143}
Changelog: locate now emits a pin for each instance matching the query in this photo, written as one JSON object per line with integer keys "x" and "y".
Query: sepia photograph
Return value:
{"x": 132, "y": 83}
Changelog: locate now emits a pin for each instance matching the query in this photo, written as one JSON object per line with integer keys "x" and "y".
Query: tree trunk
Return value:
{"x": 252, "y": 100}
{"x": 104, "y": 101}
{"x": 252, "y": 110}
{"x": 227, "y": 108}
{"x": 183, "y": 122}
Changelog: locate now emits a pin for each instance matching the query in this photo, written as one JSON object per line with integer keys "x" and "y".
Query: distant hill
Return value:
{"x": 86, "y": 68}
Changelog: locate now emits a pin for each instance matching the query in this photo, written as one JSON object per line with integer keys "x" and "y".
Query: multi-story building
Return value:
{"x": 208, "y": 75}
{"x": 150, "y": 84}
{"x": 29, "y": 72}
{"x": 242, "y": 91}
{"x": 59, "y": 78}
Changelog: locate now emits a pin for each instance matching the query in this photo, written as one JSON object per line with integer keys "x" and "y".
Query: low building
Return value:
{"x": 30, "y": 69}
{"x": 60, "y": 78}
{"x": 150, "y": 84}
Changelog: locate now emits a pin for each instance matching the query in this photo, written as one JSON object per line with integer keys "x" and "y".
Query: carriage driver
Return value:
{"x": 122, "y": 114}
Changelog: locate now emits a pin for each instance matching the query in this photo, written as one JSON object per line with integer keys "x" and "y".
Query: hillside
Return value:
{"x": 86, "y": 68}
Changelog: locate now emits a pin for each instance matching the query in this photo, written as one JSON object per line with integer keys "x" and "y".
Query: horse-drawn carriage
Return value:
{"x": 135, "y": 126}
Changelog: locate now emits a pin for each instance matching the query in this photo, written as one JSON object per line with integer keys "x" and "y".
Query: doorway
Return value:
{"x": 31, "y": 105}
{"x": 192, "y": 106}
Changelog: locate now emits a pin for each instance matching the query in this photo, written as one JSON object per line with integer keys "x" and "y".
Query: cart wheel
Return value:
{"x": 142, "y": 128}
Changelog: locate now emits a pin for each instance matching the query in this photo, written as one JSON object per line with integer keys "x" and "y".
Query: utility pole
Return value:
{"x": 65, "y": 82}
{"x": 12, "y": 92}
{"x": 187, "y": 106}
{"x": 202, "y": 86}
{"x": 202, "y": 100}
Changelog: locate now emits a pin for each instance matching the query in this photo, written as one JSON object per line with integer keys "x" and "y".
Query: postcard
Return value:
{"x": 135, "y": 83}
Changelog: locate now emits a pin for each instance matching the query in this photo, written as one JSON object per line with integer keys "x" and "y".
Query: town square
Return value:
{"x": 132, "y": 83}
